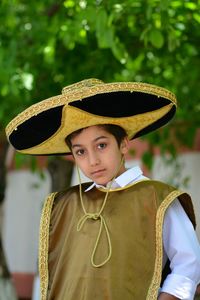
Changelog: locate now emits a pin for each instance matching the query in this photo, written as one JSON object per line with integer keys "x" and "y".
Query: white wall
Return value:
{"x": 25, "y": 194}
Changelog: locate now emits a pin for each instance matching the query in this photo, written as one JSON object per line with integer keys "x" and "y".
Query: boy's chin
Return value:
{"x": 102, "y": 182}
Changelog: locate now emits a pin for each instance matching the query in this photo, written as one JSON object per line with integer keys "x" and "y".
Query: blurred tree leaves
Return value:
{"x": 45, "y": 45}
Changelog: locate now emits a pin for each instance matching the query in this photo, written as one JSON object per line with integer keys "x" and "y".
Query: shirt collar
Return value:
{"x": 131, "y": 175}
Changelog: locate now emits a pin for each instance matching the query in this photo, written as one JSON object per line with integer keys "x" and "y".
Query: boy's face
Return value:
{"x": 98, "y": 155}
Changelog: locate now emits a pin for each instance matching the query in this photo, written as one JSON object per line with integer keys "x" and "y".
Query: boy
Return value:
{"x": 110, "y": 239}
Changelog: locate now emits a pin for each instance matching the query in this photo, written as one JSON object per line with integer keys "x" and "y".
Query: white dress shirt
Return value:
{"x": 179, "y": 242}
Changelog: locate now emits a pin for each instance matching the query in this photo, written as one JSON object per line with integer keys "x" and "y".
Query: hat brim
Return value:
{"x": 137, "y": 107}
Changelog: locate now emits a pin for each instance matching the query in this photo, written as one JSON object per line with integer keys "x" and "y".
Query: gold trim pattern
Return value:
{"x": 44, "y": 245}
{"x": 81, "y": 84}
{"x": 155, "y": 283}
{"x": 84, "y": 89}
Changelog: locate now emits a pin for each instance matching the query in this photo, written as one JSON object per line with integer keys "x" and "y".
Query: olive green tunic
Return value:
{"x": 134, "y": 217}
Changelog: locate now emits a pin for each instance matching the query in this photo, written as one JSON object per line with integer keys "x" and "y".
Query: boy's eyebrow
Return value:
{"x": 100, "y": 137}
{"x": 95, "y": 140}
{"x": 76, "y": 145}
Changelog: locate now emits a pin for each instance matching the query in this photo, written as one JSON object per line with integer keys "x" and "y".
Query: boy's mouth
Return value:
{"x": 98, "y": 172}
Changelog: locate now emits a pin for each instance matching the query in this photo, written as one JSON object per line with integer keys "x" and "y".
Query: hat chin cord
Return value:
{"x": 97, "y": 216}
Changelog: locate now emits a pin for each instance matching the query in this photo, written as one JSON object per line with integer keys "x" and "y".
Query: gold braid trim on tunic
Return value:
{"x": 44, "y": 245}
{"x": 155, "y": 284}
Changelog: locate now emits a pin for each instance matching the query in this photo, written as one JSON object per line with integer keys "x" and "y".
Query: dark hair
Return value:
{"x": 118, "y": 132}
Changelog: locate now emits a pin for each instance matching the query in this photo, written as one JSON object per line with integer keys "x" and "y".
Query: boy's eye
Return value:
{"x": 102, "y": 145}
{"x": 80, "y": 152}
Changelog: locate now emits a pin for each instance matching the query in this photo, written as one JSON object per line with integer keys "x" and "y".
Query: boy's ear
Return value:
{"x": 124, "y": 145}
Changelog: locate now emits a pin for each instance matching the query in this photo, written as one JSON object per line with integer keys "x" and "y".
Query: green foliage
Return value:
{"x": 25, "y": 160}
{"x": 46, "y": 45}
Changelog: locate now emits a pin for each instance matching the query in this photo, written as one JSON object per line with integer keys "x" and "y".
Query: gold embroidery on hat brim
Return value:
{"x": 74, "y": 119}
{"x": 75, "y": 94}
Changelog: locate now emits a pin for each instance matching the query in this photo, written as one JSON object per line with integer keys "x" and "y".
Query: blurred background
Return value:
{"x": 46, "y": 45}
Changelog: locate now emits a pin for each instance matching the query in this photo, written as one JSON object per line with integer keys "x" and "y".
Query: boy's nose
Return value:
{"x": 94, "y": 159}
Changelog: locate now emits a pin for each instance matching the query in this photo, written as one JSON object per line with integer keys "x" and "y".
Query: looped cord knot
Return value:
{"x": 95, "y": 217}
{"x": 85, "y": 217}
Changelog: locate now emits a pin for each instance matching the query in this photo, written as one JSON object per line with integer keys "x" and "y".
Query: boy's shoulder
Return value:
{"x": 57, "y": 201}
{"x": 162, "y": 190}
{"x": 155, "y": 184}
{"x": 168, "y": 193}
{"x": 70, "y": 191}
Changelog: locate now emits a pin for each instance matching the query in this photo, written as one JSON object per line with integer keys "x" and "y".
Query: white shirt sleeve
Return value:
{"x": 183, "y": 250}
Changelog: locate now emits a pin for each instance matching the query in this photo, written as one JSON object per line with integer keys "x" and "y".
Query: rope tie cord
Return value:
{"x": 96, "y": 216}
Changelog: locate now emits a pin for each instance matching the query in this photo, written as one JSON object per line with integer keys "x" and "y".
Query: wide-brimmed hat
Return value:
{"x": 137, "y": 107}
